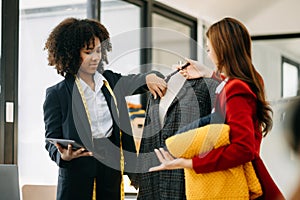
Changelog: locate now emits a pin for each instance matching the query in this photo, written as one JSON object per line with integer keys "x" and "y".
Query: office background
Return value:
{"x": 177, "y": 31}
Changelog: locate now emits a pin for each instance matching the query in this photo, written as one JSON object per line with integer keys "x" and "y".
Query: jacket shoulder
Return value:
{"x": 58, "y": 86}
{"x": 61, "y": 89}
{"x": 237, "y": 86}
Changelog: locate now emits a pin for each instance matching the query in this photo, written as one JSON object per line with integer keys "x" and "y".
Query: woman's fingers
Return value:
{"x": 69, "y": 154}
{"x": 157, "y": 168}
{"x": 166, "y": 154}
{"x": 69, "y": 151}
{"x": 156, "y": 92}
{"x": 59, "y": 148}
{"x": 159, "y": 155}
{"x": 82, "y": 152}
{"x": 156, "y": 85}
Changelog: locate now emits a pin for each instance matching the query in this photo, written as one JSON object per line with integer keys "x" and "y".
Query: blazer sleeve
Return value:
{"x": 53, "y": 124}
{"x": 239, "y": 103}
{"x": 129, "y": 84}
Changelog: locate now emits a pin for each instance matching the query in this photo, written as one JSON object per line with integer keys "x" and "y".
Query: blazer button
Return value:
{"x": 165, "y": 137}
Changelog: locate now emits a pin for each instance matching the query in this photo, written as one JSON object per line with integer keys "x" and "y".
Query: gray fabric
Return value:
{"x": 192, "y": 102}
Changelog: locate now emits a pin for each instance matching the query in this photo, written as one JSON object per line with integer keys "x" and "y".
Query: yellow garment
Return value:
{"x": 239, "y": 182}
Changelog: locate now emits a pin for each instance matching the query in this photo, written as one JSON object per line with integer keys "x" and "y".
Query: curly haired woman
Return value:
{"x": 88, "y": 106}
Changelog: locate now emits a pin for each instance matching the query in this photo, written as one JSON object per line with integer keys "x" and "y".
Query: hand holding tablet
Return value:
{"x": 65, "y": 142}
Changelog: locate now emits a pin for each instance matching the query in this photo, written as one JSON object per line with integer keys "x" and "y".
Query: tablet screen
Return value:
{"x": 65, "y": 142}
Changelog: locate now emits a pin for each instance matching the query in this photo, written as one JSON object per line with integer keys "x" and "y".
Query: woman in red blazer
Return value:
{"x": 240, "y": 100}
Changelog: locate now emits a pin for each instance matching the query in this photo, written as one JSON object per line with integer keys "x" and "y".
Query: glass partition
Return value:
{"x": 171, "y": 43}
{"x": 268, "y": 59}
{"x": 125, "y": 37}
{"x": 123, "y": 21}
{"x": 290, "y": 78}
{"x": 37, "y": 19}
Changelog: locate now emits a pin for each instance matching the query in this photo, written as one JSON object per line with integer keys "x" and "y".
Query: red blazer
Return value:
{"x": 237, "y": 103}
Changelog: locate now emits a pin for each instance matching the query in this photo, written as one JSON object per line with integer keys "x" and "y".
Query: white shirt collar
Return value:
{"x": 98, "y": 78}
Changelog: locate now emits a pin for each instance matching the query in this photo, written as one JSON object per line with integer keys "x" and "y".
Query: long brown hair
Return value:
{"x": 232, "y": 44}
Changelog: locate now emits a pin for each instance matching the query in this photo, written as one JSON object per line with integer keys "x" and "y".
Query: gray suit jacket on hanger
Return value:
{"x": 194, "y": 100}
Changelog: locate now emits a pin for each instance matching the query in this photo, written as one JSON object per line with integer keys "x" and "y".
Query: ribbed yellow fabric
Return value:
{"x": 236, "y": 183}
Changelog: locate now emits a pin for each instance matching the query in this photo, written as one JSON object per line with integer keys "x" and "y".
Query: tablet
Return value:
{"x": 65, "y": 142}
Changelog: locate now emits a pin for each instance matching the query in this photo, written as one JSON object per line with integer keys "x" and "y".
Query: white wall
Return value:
{"x": 275, "y": 152}
{"x": 283, "y": 165}
{"x": 35, "y": 166}
{"x": 267, "y": 60}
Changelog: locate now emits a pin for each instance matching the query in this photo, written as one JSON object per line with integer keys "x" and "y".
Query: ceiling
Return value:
{"x": 261, "y": 17}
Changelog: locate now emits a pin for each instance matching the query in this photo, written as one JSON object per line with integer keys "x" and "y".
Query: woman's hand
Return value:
{"x": 69, "y": 154}
{"x": 156, "y": 85}
{"x": 169, "y": 162}
{"x": 195, "y": 70}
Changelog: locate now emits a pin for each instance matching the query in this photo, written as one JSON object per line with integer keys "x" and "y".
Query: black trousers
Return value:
{"x": 108, "y": 178}
{"x": 108, "y": 183}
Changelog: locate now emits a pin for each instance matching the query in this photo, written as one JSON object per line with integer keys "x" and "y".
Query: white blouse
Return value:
{"x": 101, "y": 119}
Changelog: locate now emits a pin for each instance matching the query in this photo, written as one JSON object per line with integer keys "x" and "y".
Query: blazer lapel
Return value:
{"x": 80, "y": 118}
{"x": 113, "y": 111}
{"x": 186, "y": 89}
{"x": 174, "y": 86}
{"x": 111, "y": 104}
{"x": 180, "y": 95}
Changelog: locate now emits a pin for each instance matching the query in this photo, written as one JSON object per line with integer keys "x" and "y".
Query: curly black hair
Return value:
{"x": 69, "y": 37}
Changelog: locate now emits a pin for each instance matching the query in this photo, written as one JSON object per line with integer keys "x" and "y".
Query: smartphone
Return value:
{"x": 65, "y": 142}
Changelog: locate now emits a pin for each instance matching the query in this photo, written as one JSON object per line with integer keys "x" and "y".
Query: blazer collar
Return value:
{"x": 180, "y": 95}
{"x": 70, "y": 80}
{"x": 79, "y": 114}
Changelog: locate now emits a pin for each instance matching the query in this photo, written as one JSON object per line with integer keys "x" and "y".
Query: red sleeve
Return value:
{"x": 240, "y": 108}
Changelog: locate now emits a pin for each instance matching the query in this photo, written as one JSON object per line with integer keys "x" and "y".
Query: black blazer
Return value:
{"x": 65, "y": 117}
